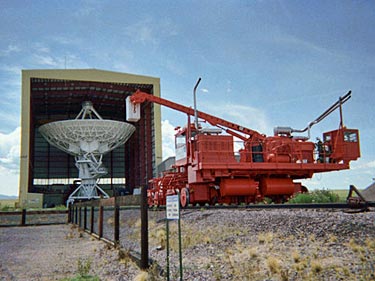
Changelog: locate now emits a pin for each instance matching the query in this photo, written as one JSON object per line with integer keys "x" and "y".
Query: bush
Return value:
{"x": 61, "y": 208}
{"x": 6, "y": 208}
{"x": 317, "y": 196}
{"x": 84, "y": 267}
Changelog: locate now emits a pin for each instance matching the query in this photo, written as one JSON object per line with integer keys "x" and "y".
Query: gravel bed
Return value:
{"x": 271, "y": 245}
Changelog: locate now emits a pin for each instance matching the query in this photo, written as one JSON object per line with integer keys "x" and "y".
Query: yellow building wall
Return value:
{"x": 27, "y": 199}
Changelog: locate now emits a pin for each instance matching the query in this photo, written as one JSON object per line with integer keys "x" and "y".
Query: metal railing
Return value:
{"x": 32, "y": 217}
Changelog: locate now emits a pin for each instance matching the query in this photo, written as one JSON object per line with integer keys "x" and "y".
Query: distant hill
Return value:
{"x": 369, "y": 193}
{"x": 5, "y": 197}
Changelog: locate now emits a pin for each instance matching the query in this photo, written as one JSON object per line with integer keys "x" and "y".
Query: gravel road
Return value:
{"x": 53, "y": 253}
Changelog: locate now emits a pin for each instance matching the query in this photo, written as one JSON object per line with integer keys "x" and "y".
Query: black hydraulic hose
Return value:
{"x": 336, "y": 105}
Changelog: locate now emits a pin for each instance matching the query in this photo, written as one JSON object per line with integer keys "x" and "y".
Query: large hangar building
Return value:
{"x": 47, "y": 174}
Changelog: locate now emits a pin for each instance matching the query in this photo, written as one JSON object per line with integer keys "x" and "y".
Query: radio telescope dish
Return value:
{"x": 87, "y": 137}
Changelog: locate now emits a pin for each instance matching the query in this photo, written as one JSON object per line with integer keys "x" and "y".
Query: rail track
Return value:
{"x": 346, "y": 206}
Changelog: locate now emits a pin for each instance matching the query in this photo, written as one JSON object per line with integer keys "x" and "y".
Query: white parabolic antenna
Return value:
{"x": 87, "y": 137}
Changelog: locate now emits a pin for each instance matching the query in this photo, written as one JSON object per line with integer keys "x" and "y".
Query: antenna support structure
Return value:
{"x": 87, "y": 137}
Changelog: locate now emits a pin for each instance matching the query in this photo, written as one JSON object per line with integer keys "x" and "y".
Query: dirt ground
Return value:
{"x": 53, "y": 253}
{"x": 217, "y": 245}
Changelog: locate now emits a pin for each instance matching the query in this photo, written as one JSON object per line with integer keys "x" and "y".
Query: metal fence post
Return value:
{"x": 100, "y": 221}
{"x": 117, "y": 224}
{"x": 144, "y": 229}
{"x": 79, "y": 216}
{"x": 92, "y": 219}
{"x": 84, "y": 218}
{"x": 75, "y": 215}
{"x": 69, "y": 214}
{"x": 23, "y": 217}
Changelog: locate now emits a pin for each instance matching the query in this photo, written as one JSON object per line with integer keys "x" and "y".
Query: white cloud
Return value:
{"x": 69, "y": 61}
{"x": 9, "y": 50}
{"x": 90, "y": 8}
{"x": 167, "y": 139}
{"x": 9, "y": 181}
{"x": 9, "y": 162}
{"x": 76, "y": 42}
{"x": 10, "y": 149}
{"x": 247, "y": 116}
{"x": 229, "y": 87}
{"x": 363, "y": 165}
{"x": 149, "y": 31}
{"x": 12, "y": 69}
{"x": 141, "y": 32}
{"x": 338, "y": 180}
{"x": 360, "y": 174}
{"x": 46, "y": 60}
{"x": 168, "y": 27}
{"x": 300, "y": 43}
{"x": 175, "y": 67}
{"x": 292, "y": 42}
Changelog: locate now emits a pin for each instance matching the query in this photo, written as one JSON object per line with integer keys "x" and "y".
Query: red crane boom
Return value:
{"x": 140, "y": 97}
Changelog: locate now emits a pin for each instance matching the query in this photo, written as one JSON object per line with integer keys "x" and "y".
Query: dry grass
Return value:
{"x": 316, "y": 266}
{"x": 265, "y": 237}
{"x": 111, "y": 221}
{"x": 355, "y": 247}
{"x": 8, "y": 203}
{"x": 296, "y": 256}
{"x": 273, "y": 264}
{"x": 190, "y": 238}
{"x": 142, "y": 276}
{"x": 124, "y": 257}
{"x": 332, "y": 238}
{"x": 370, "y": 243}
{"x": 267, "y": 255}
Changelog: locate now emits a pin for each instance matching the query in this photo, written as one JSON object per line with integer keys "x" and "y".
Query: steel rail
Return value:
{"x": 280, "y": 206}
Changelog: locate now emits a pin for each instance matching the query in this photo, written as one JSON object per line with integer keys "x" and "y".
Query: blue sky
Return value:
{"x": 262, "y": 63}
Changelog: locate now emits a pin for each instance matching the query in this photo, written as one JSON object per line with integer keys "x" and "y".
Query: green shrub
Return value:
{"x": 84, "y": 267}
{"x": 80, "y": 278}
{"x": 6, "y": 208}
{"x": 301, "y": 198}
{"x": 61, "y": 208}
{"x": 316, "y": 196}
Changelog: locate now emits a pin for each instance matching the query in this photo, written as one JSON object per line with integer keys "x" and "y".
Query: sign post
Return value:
{"x": 173, "y": 213}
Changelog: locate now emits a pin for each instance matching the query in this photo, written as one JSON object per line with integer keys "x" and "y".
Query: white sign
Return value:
{"x": 133, "y": 111}
{"x": 173, "y": 207}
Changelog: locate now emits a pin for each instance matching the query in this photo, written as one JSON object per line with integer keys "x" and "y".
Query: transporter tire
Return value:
{"x": 156, "y": 201}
